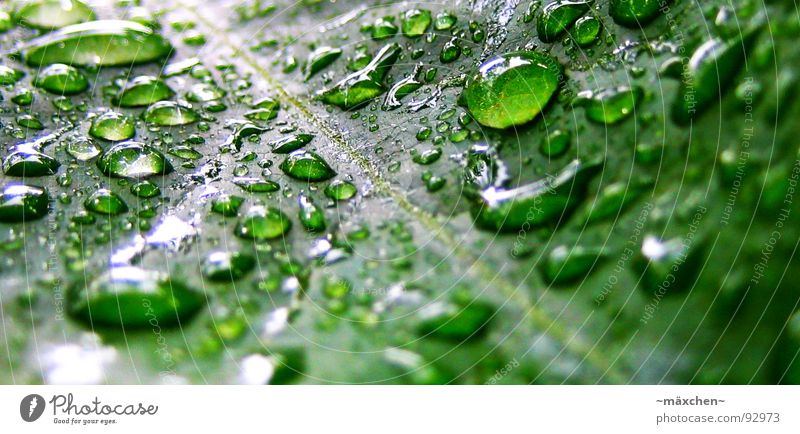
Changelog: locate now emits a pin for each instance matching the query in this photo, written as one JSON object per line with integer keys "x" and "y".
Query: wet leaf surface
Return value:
{"x": 314, "y": 184}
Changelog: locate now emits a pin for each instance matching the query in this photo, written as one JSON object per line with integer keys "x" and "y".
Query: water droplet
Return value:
{"x": 307, "y": 166}
{"x": 310, "y": 215}
{"x": 101, "y": 43}
{"x": 427, "y": 157}
{"x": 23, "y": 97}
{"x": 668, "y": 265}
{"x": 227, "y": 266}
{"x": 634, "y": 13}
{"x": 185, "y": 152}
{"x": 335, "y": 287}
{"x": 512, "y": 89}
{"x": 564, "y": 265}
{"x": 9, "y": 75}
{"x": 21, "y": 203}
{"x": 424, "y": 133}
{"x": 361, "y": 58}
{"x": 547, "y": 201}
{"x": 132, "y": 297}
{"x": 104, "y": 201}
{"x": 703, "y": 78}
{"x": 83, "y": 148}
{"x": 400, "y": 89}
{"x": 384, "y": 28}
{"x": 63, "y": 104}
{"x": 451, "y": 51}
{"x": 611, "y": 106}
{"x": 320, "y": 59}
{"x": 133, "y": 160}
{"x": 143, "y": 91}
{"x": 361, "y": 86}
{"x": 416, "y": 22}
{"x": 204, "y": 92}
{"x": 29, "y": 121}
{"x": 180, "y": 67}
{"x": 290, "y": 143}
{"x": 261, "y": 224}
{"x": 256, "y": 185}
{"x": 340, "y": 190}
{"x": 145, "y": 189}
{"x": 24, "y": 160}
{"x": 6, "y": 22}
{"x": 170, "y": 113}
{"x": 53, "y": 14}
{"x": 113, "y": 126}
{"x": 613, "y": 199}
{"x": 556, "y": 143}
{"x": 226, "y": 205}
{"x": 558, "y": 16}
{"x": 61, "y": 79}
{"x": 587, "y": 29}
{"x": 194, "y": 39}
{"x": 444, "y": 21}
{"x": 433, "y": 183}
{"x": 455, "y": 322}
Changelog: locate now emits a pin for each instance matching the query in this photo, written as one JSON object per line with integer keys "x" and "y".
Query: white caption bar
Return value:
{"x": 390, "y": 409}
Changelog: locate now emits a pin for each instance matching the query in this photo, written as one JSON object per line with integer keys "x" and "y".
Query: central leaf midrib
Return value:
{"x": 539, "y": 318}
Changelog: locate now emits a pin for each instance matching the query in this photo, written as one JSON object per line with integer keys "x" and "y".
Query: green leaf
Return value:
{"x": 434, "y": 195}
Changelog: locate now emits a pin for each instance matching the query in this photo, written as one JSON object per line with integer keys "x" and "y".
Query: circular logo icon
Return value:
{"x": 31, "y": 407}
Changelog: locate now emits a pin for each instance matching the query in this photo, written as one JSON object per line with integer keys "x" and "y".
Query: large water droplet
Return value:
{"x": 547, "y": 201}
{"x": 21, "y": 203}
{"x": 104, "y": 201}
{"x": 25, "y": 160}
{"x": 61, "y": 79}
{"x": 102, "y": 43}
{"x": 262, "y": 224}
{"x": 113, "y": 126}
{"x": 710, "y": 71}
{"x": 307, "y": 166}
{"x": 512, "y": 89}
{"x": 416, "y": 22}
{"x": 133, "y": 160}
{"x": 132, "y": 297}
{"x": 9, "y": 75}
{"x": 53, "y": 14}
